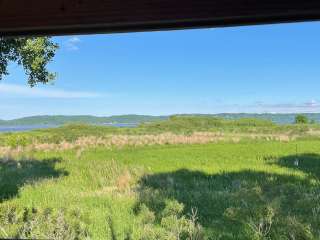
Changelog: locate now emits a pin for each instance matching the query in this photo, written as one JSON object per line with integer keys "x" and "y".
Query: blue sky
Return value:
{"x": 271, "y": 68}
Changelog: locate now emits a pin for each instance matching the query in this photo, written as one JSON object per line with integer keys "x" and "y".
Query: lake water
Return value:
{"x": 22, "y": 128}
{"x": 120, "y": 124}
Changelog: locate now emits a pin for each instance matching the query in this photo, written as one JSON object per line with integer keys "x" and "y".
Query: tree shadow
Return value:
{"x": 16, "y": 173}
{"x": 309, "y": 163}
{"x": 242, "y": 205}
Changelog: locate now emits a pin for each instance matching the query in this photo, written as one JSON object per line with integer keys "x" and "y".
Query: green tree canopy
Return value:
{"x": 33, "y": 54}
{"x": 301, "y": 119}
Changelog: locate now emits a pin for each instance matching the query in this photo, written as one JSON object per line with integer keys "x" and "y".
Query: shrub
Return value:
{"x": 35, "y": 223}
{"x": 301, "y": 119}
{"x": 15, "y": 141}
{"x": 172, "y": 224}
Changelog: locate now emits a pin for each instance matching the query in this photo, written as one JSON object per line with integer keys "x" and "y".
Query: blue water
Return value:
{"x": 22, "y": 128}
{"x": 121, "y": 124}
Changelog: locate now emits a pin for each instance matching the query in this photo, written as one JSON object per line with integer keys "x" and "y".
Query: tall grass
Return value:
{"x": 210, "y": 182}
{"x": 177, "y": 125}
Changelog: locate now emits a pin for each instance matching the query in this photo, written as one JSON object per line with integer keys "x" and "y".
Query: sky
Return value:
{"x": 268, "y": 68}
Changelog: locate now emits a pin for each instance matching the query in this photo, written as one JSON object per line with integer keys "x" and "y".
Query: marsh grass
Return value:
{"x": 120, "y": 141}
{"x": 196, "y": 185}
{"x": 239, "y": 190}
{"x": 177, "y": 126}
{"x": 32, "y": 223}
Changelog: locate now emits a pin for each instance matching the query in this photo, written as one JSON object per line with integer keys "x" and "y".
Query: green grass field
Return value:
{"x": 252, "y": 188}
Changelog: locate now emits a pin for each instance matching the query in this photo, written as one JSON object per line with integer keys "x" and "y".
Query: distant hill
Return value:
{"x": 60, "y": 120}
{"x": 137, "y": 119}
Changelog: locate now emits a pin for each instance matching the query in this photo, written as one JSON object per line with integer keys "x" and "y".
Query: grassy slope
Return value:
{"x": 231, "y": 185}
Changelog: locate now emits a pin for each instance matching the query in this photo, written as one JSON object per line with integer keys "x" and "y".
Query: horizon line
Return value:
{"x": 164, "y": 115}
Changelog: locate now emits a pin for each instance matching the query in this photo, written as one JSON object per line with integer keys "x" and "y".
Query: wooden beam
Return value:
{"x": 56, "y": 17}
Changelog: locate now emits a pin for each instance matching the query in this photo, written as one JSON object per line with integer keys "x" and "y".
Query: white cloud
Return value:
{"x": 312, "y": 103}
{"x": 312, "y": 106}
{"x": 306, "y": 107}
{"x": 72, "y": 43}
{"x": 39, "y": 92}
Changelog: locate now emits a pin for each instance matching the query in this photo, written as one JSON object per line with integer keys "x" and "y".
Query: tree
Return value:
{"x": 33, "y": 54}
{"x": 301, "y": 119}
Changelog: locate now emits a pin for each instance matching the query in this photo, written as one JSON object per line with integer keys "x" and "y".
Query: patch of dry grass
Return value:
{"x": 119, "y": 141}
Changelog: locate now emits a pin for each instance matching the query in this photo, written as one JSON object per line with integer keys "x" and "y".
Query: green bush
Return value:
{"x": 15, "y": 141}
{"x": 301, "y": 119}
{"x": 189, "y": 124}
{"x": 172, "y": 224}
{"x": 32, "y": 223}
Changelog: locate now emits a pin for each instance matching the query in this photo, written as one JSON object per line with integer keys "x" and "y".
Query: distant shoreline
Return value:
{"x": 23, "y": 128}
{"x": 133, "y": 120}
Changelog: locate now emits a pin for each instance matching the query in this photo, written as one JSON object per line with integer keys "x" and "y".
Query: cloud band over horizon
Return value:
{"x": 15, "y": 90}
